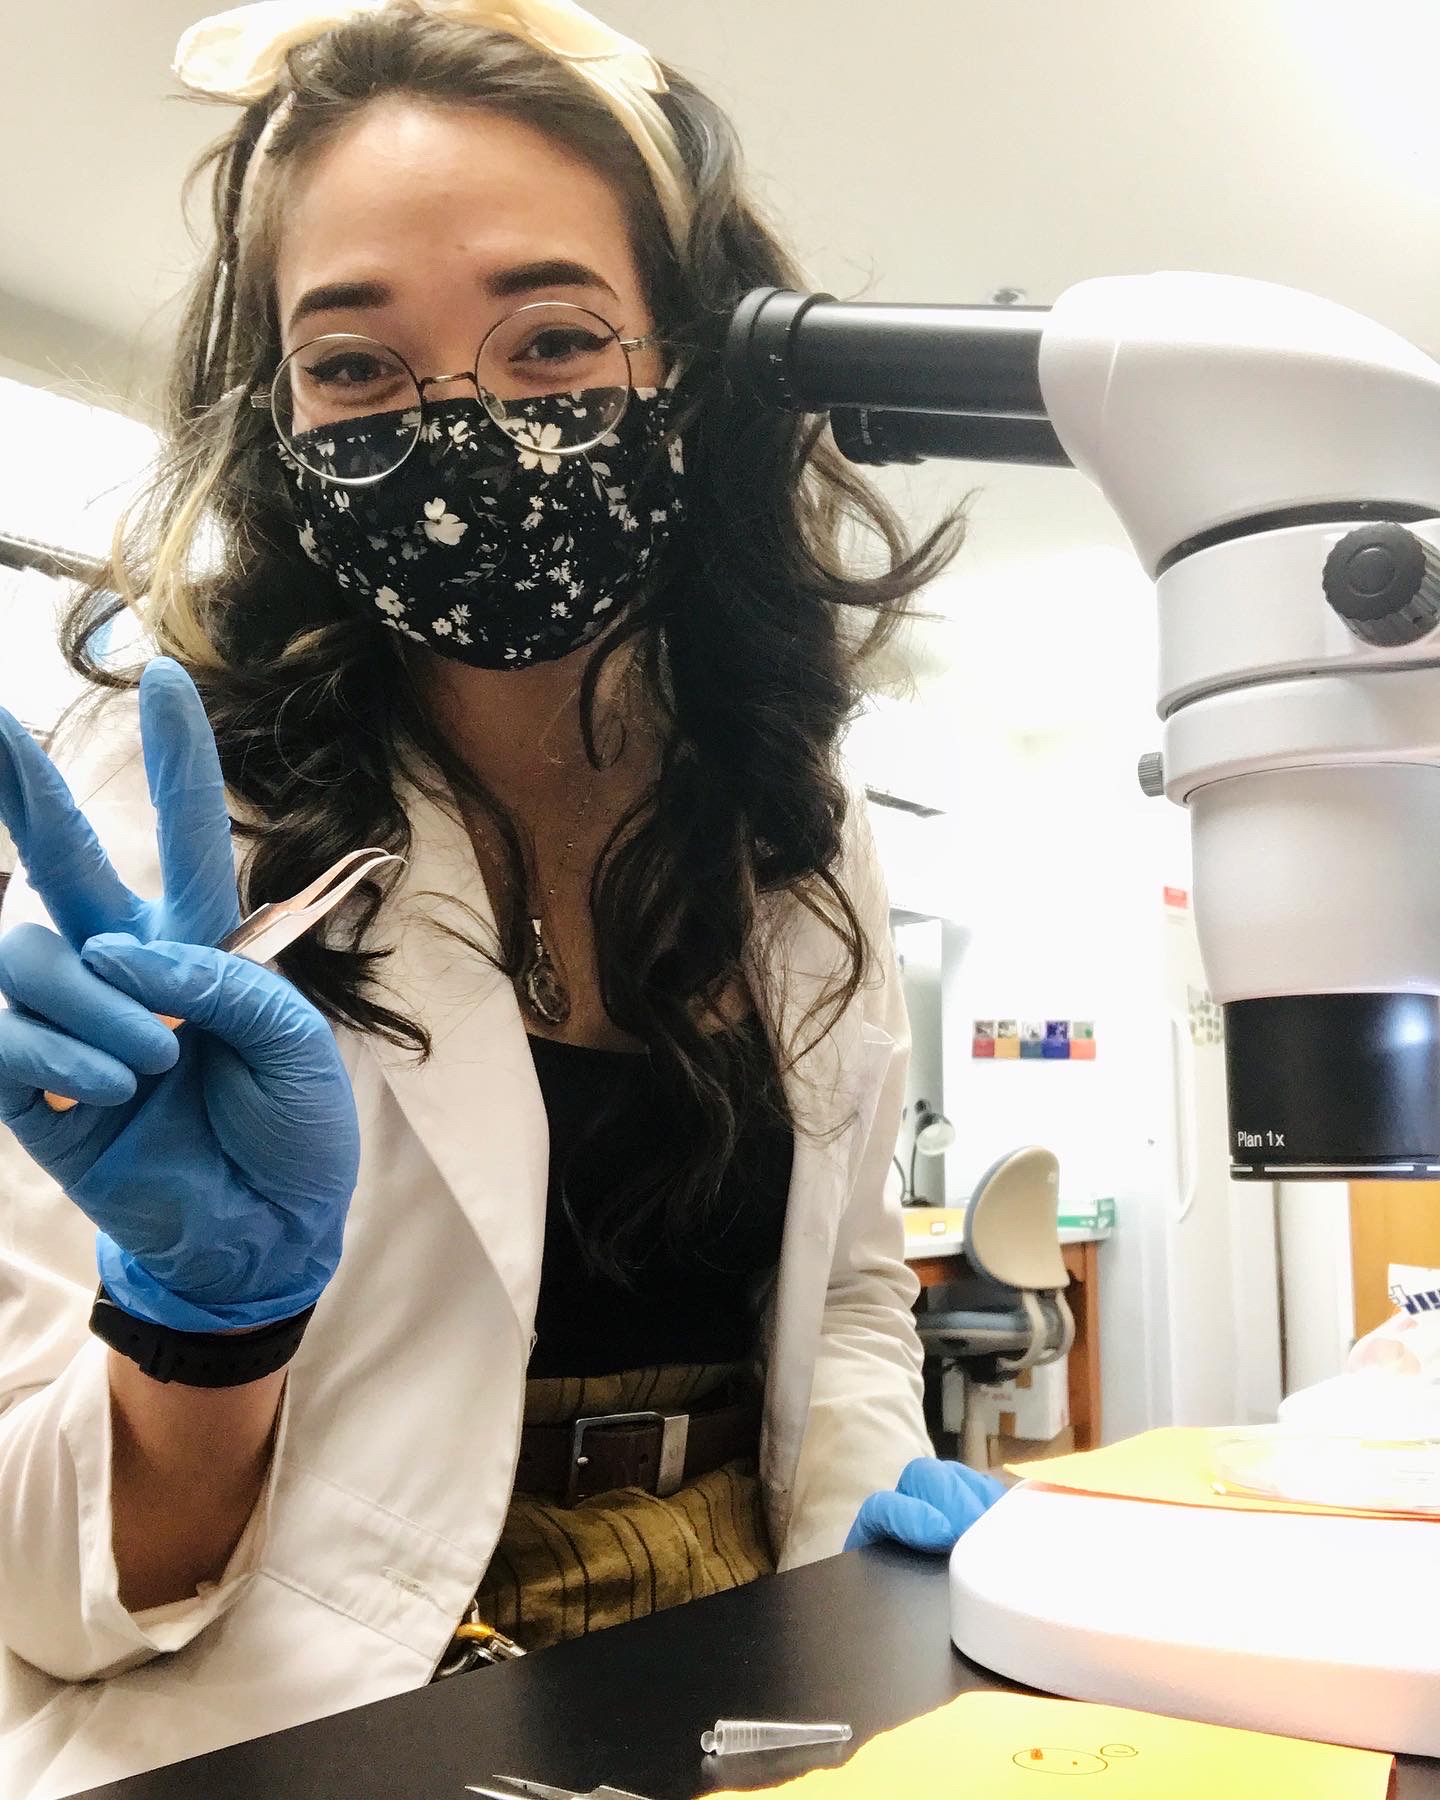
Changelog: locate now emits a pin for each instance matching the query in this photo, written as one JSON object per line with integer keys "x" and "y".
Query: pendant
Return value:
{"x": 544, "y": 991}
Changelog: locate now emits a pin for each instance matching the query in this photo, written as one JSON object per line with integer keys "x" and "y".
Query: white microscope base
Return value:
{"x": 1301, "y": 1624}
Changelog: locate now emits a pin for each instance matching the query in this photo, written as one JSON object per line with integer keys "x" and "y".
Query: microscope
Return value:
{"x": 1275, "y": 461}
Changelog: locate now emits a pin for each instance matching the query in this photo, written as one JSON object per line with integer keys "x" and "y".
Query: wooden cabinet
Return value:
{"x": 1390, "y": 1222}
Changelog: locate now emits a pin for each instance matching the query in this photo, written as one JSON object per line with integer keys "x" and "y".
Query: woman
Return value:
{"x": 603, "y": 1088}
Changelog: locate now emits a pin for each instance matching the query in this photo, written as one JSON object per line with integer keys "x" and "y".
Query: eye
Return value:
{"x": 551, "y": 349}
{"x": 352, "y": 369}
{"x": 560, "y": 344}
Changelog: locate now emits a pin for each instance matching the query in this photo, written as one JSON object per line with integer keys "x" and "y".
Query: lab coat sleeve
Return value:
{"x": 59, "y": 1601}
{"x": 866, "y": 1419}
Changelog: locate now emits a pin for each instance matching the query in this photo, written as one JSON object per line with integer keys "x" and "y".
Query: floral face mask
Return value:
{"x": 499, "y": 556}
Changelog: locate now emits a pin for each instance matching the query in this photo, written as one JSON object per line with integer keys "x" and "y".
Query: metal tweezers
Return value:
{"x": 267, "y": 931}
{"x": 512, "y": 1788}
{"x": 271, "y": 928}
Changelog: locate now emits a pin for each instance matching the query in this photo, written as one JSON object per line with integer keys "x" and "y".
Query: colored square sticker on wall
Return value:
{"x": 1032, "y": 1038}
{"x": 1057, "y": 1040}
{"x": 1007, "y": 1048}
{"x": 983, "y": 1046}
{"x": 1082, "y": 1040}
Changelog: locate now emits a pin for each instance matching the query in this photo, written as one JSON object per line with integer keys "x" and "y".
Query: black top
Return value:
{"x": 863, "y": 1637}
{"x": 681, "y": 1297}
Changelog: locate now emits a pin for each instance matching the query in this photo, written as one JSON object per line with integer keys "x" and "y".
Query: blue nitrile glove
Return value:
{"x": 217, "y": 1162}
{"x": 932, "y": 1505}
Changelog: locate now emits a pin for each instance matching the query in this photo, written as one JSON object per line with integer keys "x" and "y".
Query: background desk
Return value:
{"x": 938, "y": 1257}
{"x": 863, "y": 1637}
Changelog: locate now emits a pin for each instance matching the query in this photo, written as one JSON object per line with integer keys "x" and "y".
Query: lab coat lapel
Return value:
{"x": 475, "y": 1103}
{"x": 797, "y": 956}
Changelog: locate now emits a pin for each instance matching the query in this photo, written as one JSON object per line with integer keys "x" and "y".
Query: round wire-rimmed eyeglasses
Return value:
{"x": 554, "y": 377}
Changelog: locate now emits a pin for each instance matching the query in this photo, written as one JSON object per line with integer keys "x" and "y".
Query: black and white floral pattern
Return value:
{"x": 499, "y": 553}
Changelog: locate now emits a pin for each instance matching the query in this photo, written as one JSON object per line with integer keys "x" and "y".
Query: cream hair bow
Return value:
{"x": 240, "y": 55}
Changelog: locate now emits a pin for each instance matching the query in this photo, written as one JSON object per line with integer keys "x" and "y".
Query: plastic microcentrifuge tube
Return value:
{"x": 738, "y": 1737}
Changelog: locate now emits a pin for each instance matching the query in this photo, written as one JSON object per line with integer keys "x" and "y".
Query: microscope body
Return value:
{"x": 1275, "y": 461}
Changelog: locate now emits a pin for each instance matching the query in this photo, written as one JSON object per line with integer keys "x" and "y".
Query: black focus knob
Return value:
{"x": 1385, "y": 584}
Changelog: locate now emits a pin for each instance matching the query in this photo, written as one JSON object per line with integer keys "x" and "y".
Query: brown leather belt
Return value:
{"x": 658, "y": 1452}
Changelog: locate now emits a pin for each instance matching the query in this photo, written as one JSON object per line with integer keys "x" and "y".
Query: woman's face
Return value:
{"x": 423, "y": 226}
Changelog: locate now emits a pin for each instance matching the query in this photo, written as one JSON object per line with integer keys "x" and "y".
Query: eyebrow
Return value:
{"x": 523, "y": 278}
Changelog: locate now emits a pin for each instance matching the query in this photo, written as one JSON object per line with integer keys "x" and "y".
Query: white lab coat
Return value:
{"x": 401, "y": 1420}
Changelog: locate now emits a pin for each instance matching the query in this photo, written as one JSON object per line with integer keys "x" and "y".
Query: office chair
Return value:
{"x": 1012, "y": 1242}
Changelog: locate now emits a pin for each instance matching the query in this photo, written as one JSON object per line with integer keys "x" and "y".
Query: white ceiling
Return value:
{"x": 920, "y": 149}
{"x": 914, "y": 149}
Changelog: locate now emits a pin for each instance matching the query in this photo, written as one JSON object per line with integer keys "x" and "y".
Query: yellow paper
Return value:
{"x": 1175, "y": 1465}
{"x": 992, "y": 1746}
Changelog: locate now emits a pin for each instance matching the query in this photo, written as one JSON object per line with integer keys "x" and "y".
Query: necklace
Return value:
{"x": 541, "y": 987}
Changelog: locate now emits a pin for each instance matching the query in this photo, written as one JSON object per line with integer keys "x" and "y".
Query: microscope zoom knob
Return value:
{"x": 1150, "y": 773}
{"x": 1384, "y": 582}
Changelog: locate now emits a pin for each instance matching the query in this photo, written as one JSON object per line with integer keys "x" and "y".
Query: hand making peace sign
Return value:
{"x": 217, "y": 1162}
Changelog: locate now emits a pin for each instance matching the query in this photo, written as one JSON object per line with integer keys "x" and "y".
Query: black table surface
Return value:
{"x": 862, "y": 1638}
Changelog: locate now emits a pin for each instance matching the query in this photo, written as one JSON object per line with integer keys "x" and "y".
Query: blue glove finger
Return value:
{"x": 900, "y": 1519}
{"x": 41, "y": 973}
{"x": 35, "y": 1056}
{"x": 224, "y": 1199}
{"x": 960, "y": 1493}
{"x": 197, "y": 861}
{"x": 62, "y": 856}
{"x": 254, "y": 1010}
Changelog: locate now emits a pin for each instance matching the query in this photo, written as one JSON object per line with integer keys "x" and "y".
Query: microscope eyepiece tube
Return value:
{"x": 810, "y": 352}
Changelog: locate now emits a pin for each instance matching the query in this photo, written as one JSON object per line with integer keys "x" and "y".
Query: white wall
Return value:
{"x": 1317, "y": 1283}
{"x": 1064, "y": 925}
{"x": 920, "y": 950}
{"x": 66, "y": 471}
{"x": 67, "y": 468}
{"x": 1029, "y": 742}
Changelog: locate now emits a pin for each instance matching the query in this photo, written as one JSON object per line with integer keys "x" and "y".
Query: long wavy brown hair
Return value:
{"x": 749, "y": 645}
